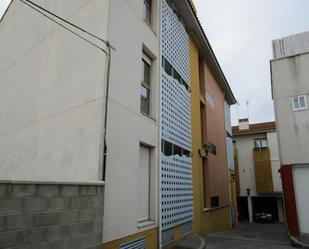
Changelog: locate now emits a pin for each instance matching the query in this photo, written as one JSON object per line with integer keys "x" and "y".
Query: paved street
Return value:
{"x": 250, "y": 236}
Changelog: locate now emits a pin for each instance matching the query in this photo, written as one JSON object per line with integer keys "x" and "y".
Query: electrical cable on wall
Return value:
{"x": 42, "y": 11}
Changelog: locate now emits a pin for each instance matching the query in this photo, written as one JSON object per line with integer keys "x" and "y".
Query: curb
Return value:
{"x": 295, "y": 242}
{"x": 185, "y": 244}
{"x": 202, "y": 246}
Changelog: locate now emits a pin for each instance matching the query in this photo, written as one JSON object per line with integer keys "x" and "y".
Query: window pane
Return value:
{"x": 168, "y": 148}
{"x": 146, "y": 73}
{"x": 169, "y": 2}
{"x": 295, "y": 103}
{"x": 177, "y": 76}
{"x": 214, "y": 201}
{"x": 302, "y": 102}
{"x": 186, "y": 153}
{"x": 168, "y": 68}
{"x": 264, "y": 143}
{"x": 143, "y": 183}
{"x": 177, "y": 150}
{"x": 145, "y": 84}
{"x": 257, "y": 143}
{"x": 144, "y": 92}
{"x": 144, "y": 100}
{"x": 147, "y": 11}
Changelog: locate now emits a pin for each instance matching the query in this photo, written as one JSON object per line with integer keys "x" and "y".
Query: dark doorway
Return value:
{"x": 265, "y": 205}
{"x": 242, "y": 205}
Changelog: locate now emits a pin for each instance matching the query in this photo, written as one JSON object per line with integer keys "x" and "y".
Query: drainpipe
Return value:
{"x": 106, "y": 110}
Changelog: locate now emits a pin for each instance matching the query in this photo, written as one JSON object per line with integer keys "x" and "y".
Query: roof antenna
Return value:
{"x": 247, "y": 104}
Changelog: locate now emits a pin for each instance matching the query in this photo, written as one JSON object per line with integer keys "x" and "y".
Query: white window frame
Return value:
{"x": 146, "y": 5}
{"x": 146, "y": 59}
{"x": 299, "y": 108}
{"x": 145, "y": 203}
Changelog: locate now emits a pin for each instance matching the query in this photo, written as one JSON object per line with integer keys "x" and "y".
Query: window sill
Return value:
{"x": 148, "y": 116}
{"x": 151, "y": 28}
{"x": 146, "y": 223}
{"x": 216, "y": 208}
{"x": 300, "y": 109}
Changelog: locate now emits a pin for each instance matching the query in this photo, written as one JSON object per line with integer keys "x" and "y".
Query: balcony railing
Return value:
{"x": 263, "y": 173}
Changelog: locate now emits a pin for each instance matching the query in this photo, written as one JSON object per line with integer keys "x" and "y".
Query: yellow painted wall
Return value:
{"x": 215, "y": 220}
{"x": 211, "y": 220}
{"x": 233, "y": 192}
{"x": 151, "y": 240}
{"x": 197, "y": 173}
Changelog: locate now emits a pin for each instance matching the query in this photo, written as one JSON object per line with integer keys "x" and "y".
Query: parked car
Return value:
{"x": 263, "y": 217}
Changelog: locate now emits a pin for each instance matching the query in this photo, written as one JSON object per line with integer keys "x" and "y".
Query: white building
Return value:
{"x": 290, "y": 88}
{"x": 257, "y": 168}
{"x": 95, "y": 98}
{"x": 52, "y": 102}
{"x": 131, "y": 193}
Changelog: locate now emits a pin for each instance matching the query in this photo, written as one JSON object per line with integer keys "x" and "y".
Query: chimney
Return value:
{"x": 243, "y": 124}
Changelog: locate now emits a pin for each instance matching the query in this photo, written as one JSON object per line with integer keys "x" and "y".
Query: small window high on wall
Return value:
{"x": 260, "y": 143}
{"x": 147, "y": 11}
{"x": 299, "y": 103}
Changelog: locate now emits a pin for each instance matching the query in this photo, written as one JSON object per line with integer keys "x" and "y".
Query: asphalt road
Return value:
{"x": 250, "y": 236}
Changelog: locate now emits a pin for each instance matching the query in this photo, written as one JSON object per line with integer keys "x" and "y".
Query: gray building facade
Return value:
{"x": 290, "y": 89}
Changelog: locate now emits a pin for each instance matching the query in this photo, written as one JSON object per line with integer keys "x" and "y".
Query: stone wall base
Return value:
{"x": 51, "y": 216}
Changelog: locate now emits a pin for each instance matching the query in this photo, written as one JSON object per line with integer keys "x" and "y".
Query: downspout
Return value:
{"x": 109, "y": 56}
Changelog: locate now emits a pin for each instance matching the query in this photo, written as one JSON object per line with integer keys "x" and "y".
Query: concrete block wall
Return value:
{"x": 51, "y": 216}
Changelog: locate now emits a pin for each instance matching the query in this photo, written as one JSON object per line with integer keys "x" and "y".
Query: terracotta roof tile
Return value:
{"x": 255, "y": 128}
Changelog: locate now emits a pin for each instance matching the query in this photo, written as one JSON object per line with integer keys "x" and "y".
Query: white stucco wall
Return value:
{"x": 290, "y": 78}
{"x": 272, "y": 139}
{"x": 245, "y": 145}
{"x": 52, "y": 86}
{"x": 127, "y": 127}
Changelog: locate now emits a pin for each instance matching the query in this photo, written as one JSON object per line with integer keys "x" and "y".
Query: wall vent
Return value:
{"x": 139, "y": 243}
{"x": 167, "y": 236}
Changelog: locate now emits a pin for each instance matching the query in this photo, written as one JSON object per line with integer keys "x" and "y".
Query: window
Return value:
{"x": 214, "y": 201}
{"x": 147, "y": 11}
{"x": 170, "y": 149}
{"x": 210, "y": 100}
{"x": 168, "y": 68}
{"x": 299, "y": 103}
{"x": 145, "y": 85}
{"x": 144, "y": 184}
{"x": 260, "y": 143}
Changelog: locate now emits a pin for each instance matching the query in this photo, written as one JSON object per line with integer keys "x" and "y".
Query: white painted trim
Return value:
{"x": 146, "y": 223}
{"x": 146, "y": 58}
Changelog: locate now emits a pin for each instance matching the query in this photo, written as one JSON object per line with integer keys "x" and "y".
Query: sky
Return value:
{"x": 241, "y": 34}
{"x": 3, "y": 6}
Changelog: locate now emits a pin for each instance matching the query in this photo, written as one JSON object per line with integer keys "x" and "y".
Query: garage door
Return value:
{"x": 301, "y": 184}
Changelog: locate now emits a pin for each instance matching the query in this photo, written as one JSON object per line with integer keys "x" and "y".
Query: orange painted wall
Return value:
{"x": 217, "y": 183}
